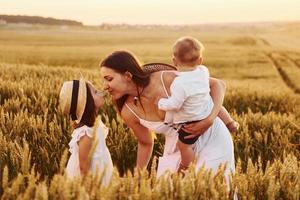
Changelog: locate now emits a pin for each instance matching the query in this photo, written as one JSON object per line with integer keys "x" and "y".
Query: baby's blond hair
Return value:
{"x": 187, "y": 49}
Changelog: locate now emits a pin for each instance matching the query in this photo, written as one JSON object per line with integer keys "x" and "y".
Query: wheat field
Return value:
{"x": 260, "y": 65}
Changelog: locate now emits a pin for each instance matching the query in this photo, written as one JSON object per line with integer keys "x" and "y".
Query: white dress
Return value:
{"x": 101, "y": 159}
{"x": 212, "y": 148}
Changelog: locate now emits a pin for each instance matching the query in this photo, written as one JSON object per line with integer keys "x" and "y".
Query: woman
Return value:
{"x": 135, "y": 93}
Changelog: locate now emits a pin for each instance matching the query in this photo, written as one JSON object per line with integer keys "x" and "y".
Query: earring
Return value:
{"x": 135, "y": 99}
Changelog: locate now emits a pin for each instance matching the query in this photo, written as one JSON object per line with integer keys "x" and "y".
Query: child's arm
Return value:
{"x": 175, "y": 101}
{"x": 168, "y": 104}
{"x": 84, "y": 144}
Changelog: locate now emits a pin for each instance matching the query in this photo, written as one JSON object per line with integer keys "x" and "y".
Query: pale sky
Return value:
{"x": 96, "y": 12}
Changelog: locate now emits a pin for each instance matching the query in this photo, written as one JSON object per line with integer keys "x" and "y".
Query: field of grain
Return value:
{"x": 260, "y": 65}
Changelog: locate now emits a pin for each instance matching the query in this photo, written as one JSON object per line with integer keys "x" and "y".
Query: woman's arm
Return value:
{"x": 144, "y": 137}
{"x": 84, "y": 146}
{"x": 217, "y": 92}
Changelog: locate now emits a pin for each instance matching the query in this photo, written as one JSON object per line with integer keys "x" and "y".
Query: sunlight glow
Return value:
{"x": 95, "y": 12}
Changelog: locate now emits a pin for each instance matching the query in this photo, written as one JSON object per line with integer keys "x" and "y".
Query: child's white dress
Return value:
{"x": 101, "y": 157}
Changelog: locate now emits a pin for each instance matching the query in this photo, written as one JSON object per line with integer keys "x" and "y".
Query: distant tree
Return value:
{"x": 38, "y": 20}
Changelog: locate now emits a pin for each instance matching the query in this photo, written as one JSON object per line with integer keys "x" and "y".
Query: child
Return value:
{"x": 80, "y": 100}
{"x": 189, "y": 102}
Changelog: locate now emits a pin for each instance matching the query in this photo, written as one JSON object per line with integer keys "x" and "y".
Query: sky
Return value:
{"x": 96, "y": 12}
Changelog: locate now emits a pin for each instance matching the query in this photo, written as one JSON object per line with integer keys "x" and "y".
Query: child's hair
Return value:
{"x": 187, "y": 50}
{"x": 90, "y": 112}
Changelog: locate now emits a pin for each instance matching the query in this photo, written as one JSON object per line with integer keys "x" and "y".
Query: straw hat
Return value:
{"x": 72, "y": 98}
{"x": 155, "y": 67}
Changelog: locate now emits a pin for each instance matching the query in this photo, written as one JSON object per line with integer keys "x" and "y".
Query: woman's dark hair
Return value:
{"x": 90, "y": 113}
{"x": 124, "y": 61}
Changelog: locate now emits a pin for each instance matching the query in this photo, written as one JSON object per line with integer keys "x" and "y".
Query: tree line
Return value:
{"x": 38, "y": 20}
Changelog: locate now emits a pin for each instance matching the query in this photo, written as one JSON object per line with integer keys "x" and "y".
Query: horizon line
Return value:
{"x": 165, "y": 24}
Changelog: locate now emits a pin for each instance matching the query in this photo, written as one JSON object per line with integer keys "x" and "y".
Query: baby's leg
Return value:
{"x": 187, "y": 154}
{"x": 185, "y": 147}
{"x": 228, "y": 121}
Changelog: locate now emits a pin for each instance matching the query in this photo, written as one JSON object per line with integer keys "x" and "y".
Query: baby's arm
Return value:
{"x": 175, "y": 101}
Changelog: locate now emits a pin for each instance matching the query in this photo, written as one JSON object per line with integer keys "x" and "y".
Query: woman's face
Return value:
{"x": 113, "y": 82}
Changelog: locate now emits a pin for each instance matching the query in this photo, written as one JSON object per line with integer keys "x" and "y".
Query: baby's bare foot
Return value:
{"x": 233, "y": 126}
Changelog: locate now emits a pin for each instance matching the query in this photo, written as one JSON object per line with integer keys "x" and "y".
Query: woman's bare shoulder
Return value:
{"x": 127, "y": 115}
{"x": 167, "y": 76}
{"x": 133, "y": 122}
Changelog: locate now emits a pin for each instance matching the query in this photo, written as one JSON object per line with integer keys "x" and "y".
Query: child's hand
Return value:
{"x": 157, "y": 99}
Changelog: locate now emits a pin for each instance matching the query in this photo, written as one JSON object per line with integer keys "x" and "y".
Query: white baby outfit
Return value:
{"x": 190, "y": 99}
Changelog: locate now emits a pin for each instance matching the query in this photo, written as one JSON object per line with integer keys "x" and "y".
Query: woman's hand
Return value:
{"x": 197, "y": 128}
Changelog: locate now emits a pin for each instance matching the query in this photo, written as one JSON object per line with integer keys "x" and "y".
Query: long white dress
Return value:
{"x": 101, "y": 159}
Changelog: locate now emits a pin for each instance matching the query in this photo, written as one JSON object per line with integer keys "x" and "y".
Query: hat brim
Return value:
{"x": 154, "y": 67}
{"x": 81, "y": 102}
